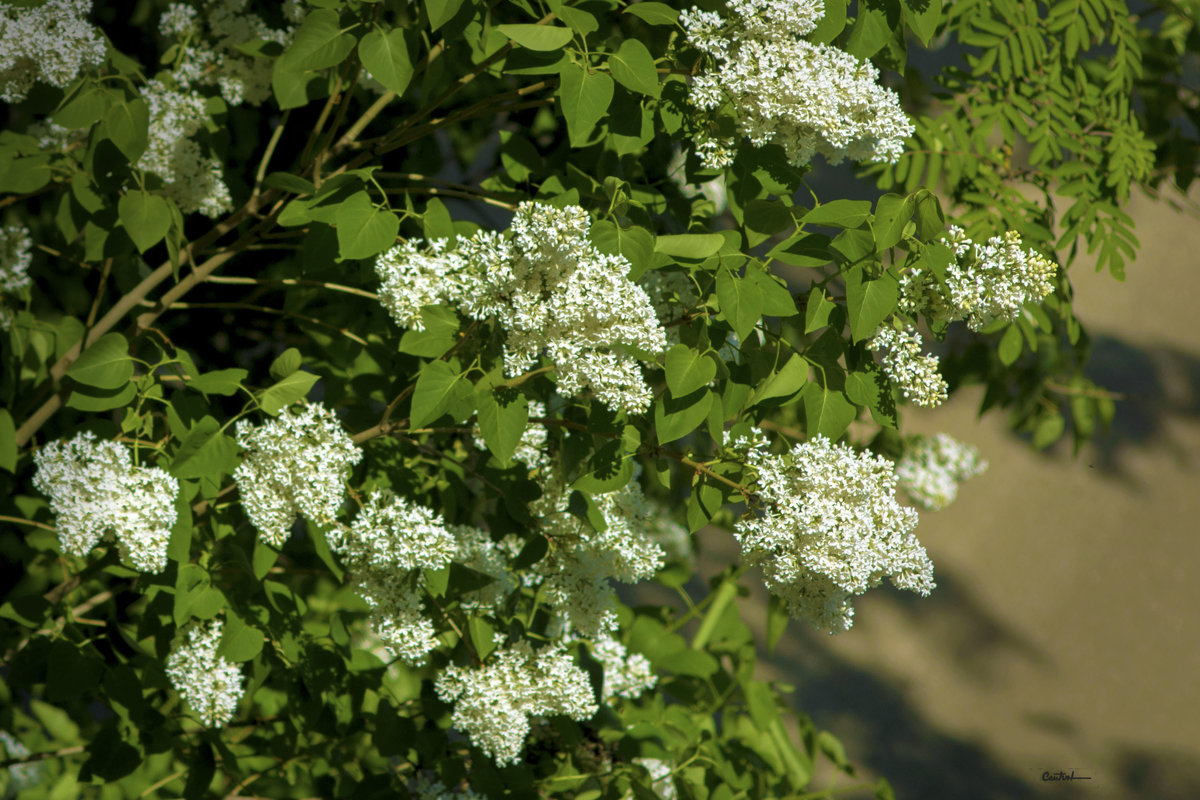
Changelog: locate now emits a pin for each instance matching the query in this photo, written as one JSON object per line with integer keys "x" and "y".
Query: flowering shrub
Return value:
{"x": 359, "y": 356}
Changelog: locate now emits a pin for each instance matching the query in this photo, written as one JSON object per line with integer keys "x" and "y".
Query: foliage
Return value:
{"x": 433, "y": 318}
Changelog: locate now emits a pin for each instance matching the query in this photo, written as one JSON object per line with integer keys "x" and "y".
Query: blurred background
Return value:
{"x": 1064, "y": 634}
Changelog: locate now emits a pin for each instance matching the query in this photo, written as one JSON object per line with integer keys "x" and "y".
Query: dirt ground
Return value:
{"x": 1064, "y": 635}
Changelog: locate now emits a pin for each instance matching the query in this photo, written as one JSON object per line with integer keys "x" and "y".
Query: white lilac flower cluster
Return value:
{"x": 209, "y": 55}
{"x": 95, "y": 489}
{"x": 192, "y": 179}
{"x": 211, "y": 45}
{"x": 493, "y": 703}
{"x": 831, "y": 529}
{"x": 985, "y": 283}
{"x": 577, "y": 572}
{"x": 389, "y": 541}
{"x": 550, "y": 289}
{"x": 932, "y": 467}
{"x": 808, "y": 98}
{"x": 52, "y": 43}
{"x": 297, "y": 464}
{"x": 211, "y": 684}
{"x": 625, "y": 674}
{"x": 15, "y": 255}
{"x": 903, "y": 362}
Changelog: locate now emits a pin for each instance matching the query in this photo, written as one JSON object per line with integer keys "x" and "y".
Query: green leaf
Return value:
{"x": 25, "y": 175}
{"x": 543, "y": 38}
{"x": 697, "y": 246}
{"x": 923, "y": 17}
{"x": 784, "y": 382}
{"x": 892, "y": 213}
{"x": 385, "y": 56}
{"x": 146, "y": 218}
{"x": 319, "y": 42}
{"x": 201, "y": 769}
{"x": 687, "y": 370}
{"x": 762, "y": 219}
{"x": 534, "y": 551}
{"x": 1010, "y": 346}
{"x": 110, "y": 757}
{"x": 285, "y": 364}
{"x": 71, "y": 671}
{"x": 437, "y": 392}
{"x": 240, "y": 642}
{"x": 223, "y": 382}
{"x": 633, "y": 67}
{"x": 585, "y": 98}
{"x": 803, "y": 250}
{"x": 293, "y": 85}
{"x": 441, "y": 11}
{"x": 84, "y": 109}
{"x": 205, "y": 452}
{"x": 777, "y": 300}
{"x": 481, "y": 634}
{"x": 870, "y": 33}
{"x": 817, "y": 310}
{"x": 653, "y": 13}
{"x": 675, "y": 418}
{"x": 437, "y": 223}
{"x": 831, "y": 24}
{"x": 364, "y": 231}
{"x": 634, "y": 243}
{"x": 88, "y": 399}
{"x": 290, "y": 183}
{"x": 440, "y": 334}
{"x": 502, "y": 417}
{"x": 8, "y": 441}
{"x": 839, "y": 214}
{"x": 869, "y": 302}
{"x": 105, "y": 364}
{"x": 293, "y": 388}
{"x": 609, "y": 469}
{"x": 741, "y": 302}
{"x": 576, "y": 19}
{"x": 931, "y": 222}
{"x": 827, "y": 411}
{"x": 862, "y": 388}
{"x": 127, "y": 124}
{"x": 263, "y": 558}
